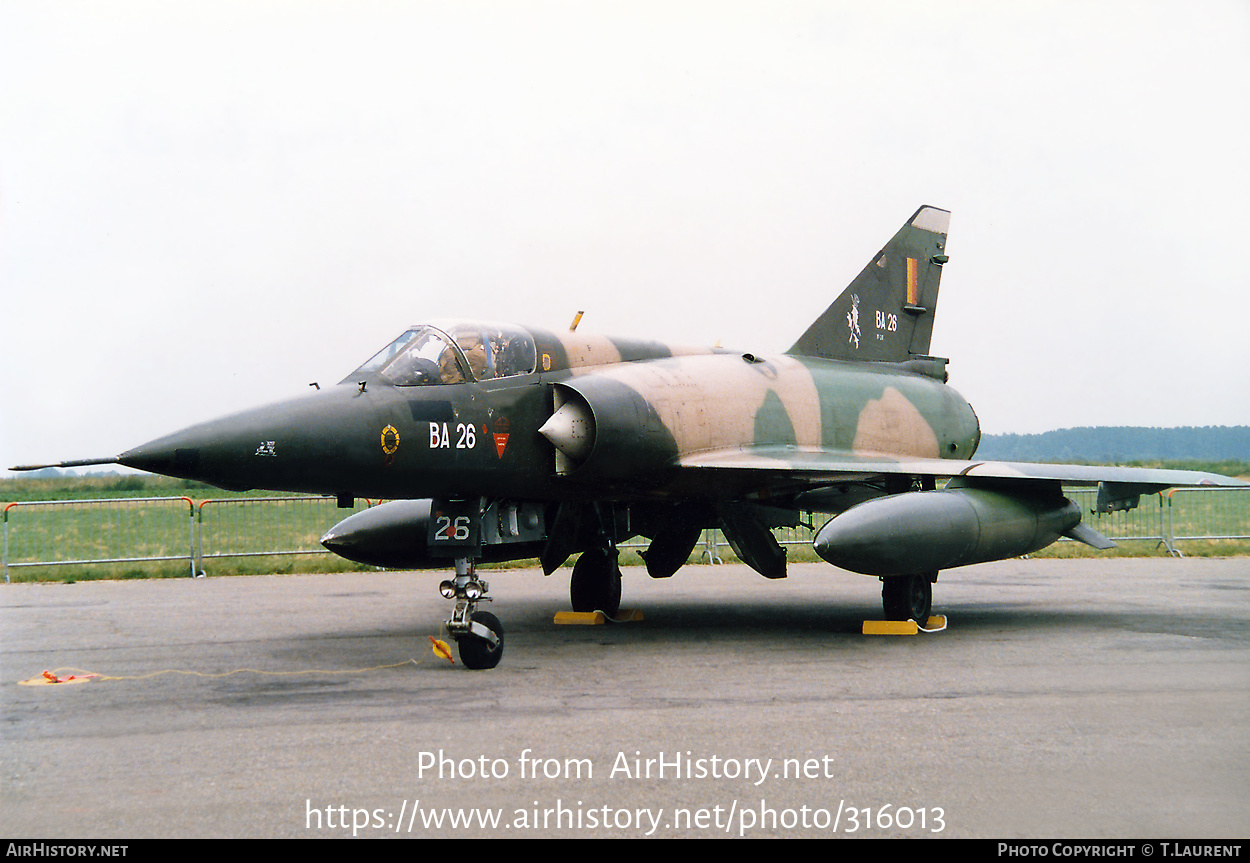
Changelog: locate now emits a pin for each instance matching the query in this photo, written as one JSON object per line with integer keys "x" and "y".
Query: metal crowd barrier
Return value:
{"x": 1208, "y": 513}
{"x": 149, "y": 529}
{"x": 109, "y": 530}
{"x": 1180, "y": 515}
{"x": 254, "y": 526}
{"x": 139, "y": 530}
{"x": 1147, "y": 522}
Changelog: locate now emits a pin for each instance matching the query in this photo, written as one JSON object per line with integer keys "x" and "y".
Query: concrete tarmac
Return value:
{"x": 1068, "y": 698}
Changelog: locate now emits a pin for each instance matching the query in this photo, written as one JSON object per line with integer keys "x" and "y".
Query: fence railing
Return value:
{"x": 1147, "y": 522}
{"x": 140, "y": 530}
{"x": 261, "y": 526}
{"x": 126, "y": 530}
{"x": 109, "y": 530}
{"x": 1208, "y": 513}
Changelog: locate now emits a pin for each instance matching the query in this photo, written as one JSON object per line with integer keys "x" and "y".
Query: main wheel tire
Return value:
{"x": 477, "y": 653}
{"x": 907, "y": 597}
{"x": 596, "y": 583}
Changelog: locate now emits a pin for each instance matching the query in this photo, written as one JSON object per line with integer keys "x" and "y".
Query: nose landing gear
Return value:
{"x": 478, "y": 634}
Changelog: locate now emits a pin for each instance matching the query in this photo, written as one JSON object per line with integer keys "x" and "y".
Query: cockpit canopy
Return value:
{"x": 452, "y": 352}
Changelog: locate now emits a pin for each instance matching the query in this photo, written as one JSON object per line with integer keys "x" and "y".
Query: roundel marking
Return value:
{"x": 390, "y": 443}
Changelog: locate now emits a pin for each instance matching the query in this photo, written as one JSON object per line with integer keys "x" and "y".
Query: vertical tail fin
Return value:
{"x": 886, "y": 313}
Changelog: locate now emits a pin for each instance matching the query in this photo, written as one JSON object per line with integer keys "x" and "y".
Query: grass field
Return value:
{"x": 120, "y": 519}
{"x": 154, "y": 527}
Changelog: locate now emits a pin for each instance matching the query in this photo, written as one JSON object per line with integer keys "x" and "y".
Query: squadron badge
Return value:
{"x": 502, "y": 427}
{"x": 390, "y": 443}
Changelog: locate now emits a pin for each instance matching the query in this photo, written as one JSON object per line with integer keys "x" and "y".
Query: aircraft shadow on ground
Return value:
{"x": 529, "y": 623}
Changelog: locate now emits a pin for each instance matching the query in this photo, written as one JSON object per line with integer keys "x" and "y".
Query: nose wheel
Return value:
{"x": 478, "y": 634}
{"x": 482, "y": 649}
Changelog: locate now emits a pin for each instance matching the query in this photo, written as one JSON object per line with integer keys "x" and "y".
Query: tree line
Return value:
{"x": 1122, "y": 444}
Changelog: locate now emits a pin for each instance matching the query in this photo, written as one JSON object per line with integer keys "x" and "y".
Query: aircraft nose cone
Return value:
{"x": 173, "y": 455}
{"x": 198, "y": 453}
{"x": 288, "y": 445}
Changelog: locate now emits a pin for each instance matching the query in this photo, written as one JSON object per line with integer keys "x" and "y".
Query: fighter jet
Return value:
{"x": 497, "y": 442}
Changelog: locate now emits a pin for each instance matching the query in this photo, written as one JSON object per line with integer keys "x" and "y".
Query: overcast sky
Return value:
{"x": 206, "y": 206}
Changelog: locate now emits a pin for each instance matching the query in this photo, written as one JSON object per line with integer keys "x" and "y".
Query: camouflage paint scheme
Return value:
{"x": 498, "y": 442}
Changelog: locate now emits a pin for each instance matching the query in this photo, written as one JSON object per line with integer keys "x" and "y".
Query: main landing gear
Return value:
{"x": 908, "y": 597}
{"x": 478, "y": 634}
{"x": 596, "y": 582}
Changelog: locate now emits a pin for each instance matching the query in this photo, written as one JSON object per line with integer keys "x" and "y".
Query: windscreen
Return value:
{"x": 453, "y": 353}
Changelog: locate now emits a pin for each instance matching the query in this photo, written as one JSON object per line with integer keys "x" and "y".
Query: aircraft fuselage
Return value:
{"x": 377, "y": 440}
